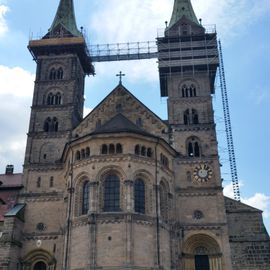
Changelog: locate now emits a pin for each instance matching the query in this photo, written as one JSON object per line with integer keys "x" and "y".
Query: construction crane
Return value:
{"x": 149, "y": 50}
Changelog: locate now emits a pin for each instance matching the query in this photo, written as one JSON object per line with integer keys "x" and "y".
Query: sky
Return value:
{"x": 242, "y": 26}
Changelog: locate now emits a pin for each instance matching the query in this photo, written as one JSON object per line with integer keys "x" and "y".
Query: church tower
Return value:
{"x": 62, "y": 62}
{"x": 188, "y": 61}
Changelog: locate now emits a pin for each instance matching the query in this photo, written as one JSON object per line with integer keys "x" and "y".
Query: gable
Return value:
{"x": 235, "y": 206}
{"x": 120, "y": 100}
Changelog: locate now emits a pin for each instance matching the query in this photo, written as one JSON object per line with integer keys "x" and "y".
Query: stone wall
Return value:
{"x": 249, "y": 240}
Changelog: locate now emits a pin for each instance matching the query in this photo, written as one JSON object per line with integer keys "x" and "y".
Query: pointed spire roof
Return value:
{"x": 183, "y": 8}
{"x": 65, "y": 17}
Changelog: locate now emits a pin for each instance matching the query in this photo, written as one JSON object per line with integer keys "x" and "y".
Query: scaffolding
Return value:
{"x": 123, "y": 51}
{"x": 228, "y": 127}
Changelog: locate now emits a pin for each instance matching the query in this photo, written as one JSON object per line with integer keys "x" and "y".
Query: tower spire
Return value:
{"x": 183, "y": 8}
{"x": 65, "y": 19}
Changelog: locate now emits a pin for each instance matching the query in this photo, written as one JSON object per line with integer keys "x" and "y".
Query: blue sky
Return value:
{"x": 243, "y": 27}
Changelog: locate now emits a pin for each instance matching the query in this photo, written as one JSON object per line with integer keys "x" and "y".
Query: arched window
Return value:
{"x": 47, "y": 124}
{"x": 192, "y": 91}
{"x": 85, "y": 198}
{"x": 40, "y": 266}
{"x": 50, "y": 99}
{"x": 186, "y": 117}
{"x": 164, "y": 160}
{"x": 143, "y": 151}
{"x": 196, "y": 149}
{"x": 87, "y": 152}
{"x": 137, "y": 150}
{"x": 184, "y": 91}
{"x": 55, "y": 124}
{"x": 193, "y": 148}
{"x": 51, "y": 181}
{"x": 195, "y": 117}
{"x": 111, "y": 149}
{"x": 118, "y": 108}
{"x": 163, "y": 201}
{"x": 58, "y": 99}
{"x": 139, "y": 122}
{"x": 78, "y": 155}
{"x": 139, "y": 196}
{"x": 52, "y": 75}
{"x": 98, "y": 123}
{"x": 60, "y": 74}
{"x": 104, "y": 149}
{"x": 83, "y": 153}
{"x": 119, "y": 149}
{"x": 149, "y": 152}
{"x": 39, "y": 182}
{"x": 111, "y": 193}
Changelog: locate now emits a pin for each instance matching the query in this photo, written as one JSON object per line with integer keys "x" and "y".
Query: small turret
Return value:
{"x": 183, "y": 8}
{"x": 64, "y": 23}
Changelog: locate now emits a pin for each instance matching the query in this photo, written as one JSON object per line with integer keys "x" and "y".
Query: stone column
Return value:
{"x": 93, "y": 197}
{"x": 129, "y": 197}
{"x": 129, "y": 204}
{"x": 215, "y": 262}
{"x": 157, "y": 199}
{"x": 189, "y": 262}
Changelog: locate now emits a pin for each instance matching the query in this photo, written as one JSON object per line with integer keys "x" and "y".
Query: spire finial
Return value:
{"x": 183, "y": 8}
{"x": 120, "y": 75}
{"x": 65, "y": 19}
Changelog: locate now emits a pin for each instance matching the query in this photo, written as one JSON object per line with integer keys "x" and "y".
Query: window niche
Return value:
{"x": 51, "y": 125}
{"x": 193, "y": 147}
{"x": 111, "y": 193}
{"x": 191, "y": 117}
{"x": 139, "y": 196}
{"x": 111, "y": 149}
{"x": 141, "y": 150}
{"x": 85, "y": 198}
{"x": 188, "y": 90}
{"x": 54, "y": 99}
{"x": 82, "y": 154}
{"x": 56, "y": 74}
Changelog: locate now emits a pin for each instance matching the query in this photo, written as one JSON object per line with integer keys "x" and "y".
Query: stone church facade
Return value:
{"x": 122, "y": 188}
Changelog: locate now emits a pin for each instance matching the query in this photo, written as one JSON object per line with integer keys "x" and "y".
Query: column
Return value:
{"x": 129, "y": 197}
{"x": 94, "y": 197}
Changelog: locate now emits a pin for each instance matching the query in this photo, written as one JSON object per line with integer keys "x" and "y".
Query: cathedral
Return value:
{"x": 122, "y": 188}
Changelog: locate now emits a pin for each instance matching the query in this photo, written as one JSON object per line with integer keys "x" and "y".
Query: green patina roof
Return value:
{"x": 183, "y": 8}
{"x": 65, "y": 16}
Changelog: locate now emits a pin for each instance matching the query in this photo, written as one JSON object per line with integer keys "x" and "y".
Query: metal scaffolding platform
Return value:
{"x": 123, "y": 51}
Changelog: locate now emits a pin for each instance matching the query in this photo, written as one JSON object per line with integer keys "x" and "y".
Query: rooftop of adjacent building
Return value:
{"x": 10, "y": 185}
{"x": 10, "y": 179}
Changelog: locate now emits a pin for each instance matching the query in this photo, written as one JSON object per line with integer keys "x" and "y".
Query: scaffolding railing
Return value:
{"x": 209, "y": 29}
{"x": 228, "y": 127}
{"x": 123, "y": 51}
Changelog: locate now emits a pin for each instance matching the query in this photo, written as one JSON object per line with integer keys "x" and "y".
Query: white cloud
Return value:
{"x": 228, "y": 191}
{"x": 16, "y": 81}
{"x": 16, "y": 88}
{"x": 258, "y": 200}
{"x": 3, "y": 24}
{"x": 86, "y": 111}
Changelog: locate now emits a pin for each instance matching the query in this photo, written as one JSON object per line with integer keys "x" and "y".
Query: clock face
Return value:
{"x": 202, "y": 173}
